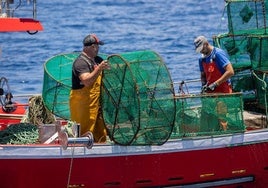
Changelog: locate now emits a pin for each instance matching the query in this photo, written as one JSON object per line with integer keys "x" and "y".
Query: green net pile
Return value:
{"x": 22, "y": 133}
{"x": 246, "y": 42}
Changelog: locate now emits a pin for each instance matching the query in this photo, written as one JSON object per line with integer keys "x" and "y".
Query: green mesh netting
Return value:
{"x": 211, "y": 114}
{"x": 247, "y": 16}
{"x": 57, "y": 83}
{"x": 245, "y": 51}
{"x": 138, "y": 99}
{"x": 238, "y": 49}
{"x": 258, "y": 50}
{"x": 22, "y": 133}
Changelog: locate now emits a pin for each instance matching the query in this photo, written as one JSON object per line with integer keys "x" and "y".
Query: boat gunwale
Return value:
{"x": 41, "y": 151}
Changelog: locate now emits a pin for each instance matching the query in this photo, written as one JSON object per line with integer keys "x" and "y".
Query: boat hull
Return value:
{"x": 229, "y": 161}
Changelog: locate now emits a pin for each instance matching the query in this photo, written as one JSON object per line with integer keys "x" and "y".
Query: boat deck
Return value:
{"x": 254, "y": 120}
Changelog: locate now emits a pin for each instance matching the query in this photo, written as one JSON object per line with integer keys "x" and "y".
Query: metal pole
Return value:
{"x": 34, "y": 9}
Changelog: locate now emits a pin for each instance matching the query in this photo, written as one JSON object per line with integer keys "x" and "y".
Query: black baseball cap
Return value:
{"x": 92, "y": 39}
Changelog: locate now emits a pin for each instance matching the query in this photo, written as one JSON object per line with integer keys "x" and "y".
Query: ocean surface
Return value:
{"x": 165, "y": 26}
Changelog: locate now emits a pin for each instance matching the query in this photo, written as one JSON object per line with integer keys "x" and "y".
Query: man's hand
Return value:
{"x": 104, "y": 65}
{"x": 204, "y": 88}
{"x": 212, "y": 86}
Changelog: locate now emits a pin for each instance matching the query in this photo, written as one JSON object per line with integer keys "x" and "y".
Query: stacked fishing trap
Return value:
{"x": 246, "y": 42}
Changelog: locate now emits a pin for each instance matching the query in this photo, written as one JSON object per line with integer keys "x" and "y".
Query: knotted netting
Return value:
{"x": 138, "y": 99}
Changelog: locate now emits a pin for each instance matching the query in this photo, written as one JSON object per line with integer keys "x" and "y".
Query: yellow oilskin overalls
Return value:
{"x": 85, "y": 110}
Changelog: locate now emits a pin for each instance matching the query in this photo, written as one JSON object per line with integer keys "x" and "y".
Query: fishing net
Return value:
{"x": 210, "y": 114}
{"x": 138, "y": 99}
{"x": 37, "y": 113}
{"x": 23, "y": 133}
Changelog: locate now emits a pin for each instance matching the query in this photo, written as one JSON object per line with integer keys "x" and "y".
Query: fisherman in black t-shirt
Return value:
{"x": 85, "y": 94}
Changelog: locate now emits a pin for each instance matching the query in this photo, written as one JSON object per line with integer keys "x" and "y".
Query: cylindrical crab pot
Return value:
{"x": 138, "y": 99}
{"x": 57, "y": 83}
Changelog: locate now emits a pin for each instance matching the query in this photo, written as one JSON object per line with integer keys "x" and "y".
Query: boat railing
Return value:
{"x": 192, "y": 86}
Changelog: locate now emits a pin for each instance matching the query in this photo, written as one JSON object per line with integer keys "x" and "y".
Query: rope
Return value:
{"x": 37, "y": 113}
{"x": 265, "y": 89}
{"x": 70, "y": 169}
{"x": 222, "y": 15}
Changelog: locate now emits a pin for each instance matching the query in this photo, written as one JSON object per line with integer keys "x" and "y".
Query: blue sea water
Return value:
{"x": 165, "y": 26}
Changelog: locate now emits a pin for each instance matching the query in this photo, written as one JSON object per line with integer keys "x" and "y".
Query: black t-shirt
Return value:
{"x": 82, "y": 65}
